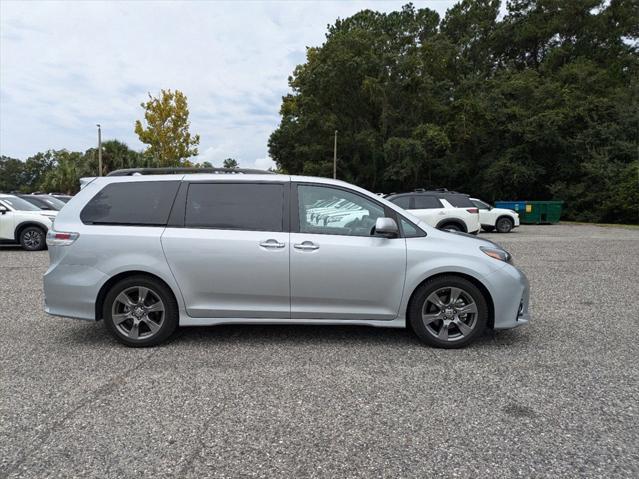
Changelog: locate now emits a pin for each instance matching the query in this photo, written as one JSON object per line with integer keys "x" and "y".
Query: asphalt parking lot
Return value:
{"x": 558, "y": 398}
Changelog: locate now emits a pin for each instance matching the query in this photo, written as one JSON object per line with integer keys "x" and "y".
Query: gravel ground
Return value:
{"x": 555, "y": 399}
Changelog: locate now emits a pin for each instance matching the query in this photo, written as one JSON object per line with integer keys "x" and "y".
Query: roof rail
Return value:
{"x": 178, "y": 170}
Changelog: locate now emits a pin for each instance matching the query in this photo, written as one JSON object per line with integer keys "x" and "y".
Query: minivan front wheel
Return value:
{"x": 140, "y": 311}
{"x": 448, "y": 312}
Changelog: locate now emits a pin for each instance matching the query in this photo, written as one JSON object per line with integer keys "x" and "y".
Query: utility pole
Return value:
{"x": 335, "y": 157}
{"x": 99, "y": 150}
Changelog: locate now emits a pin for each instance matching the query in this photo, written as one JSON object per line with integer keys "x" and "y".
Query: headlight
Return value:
{"x": 497, "y": 253}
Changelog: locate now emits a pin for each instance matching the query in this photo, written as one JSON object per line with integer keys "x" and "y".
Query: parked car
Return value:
{"x": 207, "y": 249}
{"x": 24, "y": 223}
{"x": 492, "y": 218}
{"x": 61, "y": 197}
{"x": 442, "y": 209}
{"x": 44, "y": 202}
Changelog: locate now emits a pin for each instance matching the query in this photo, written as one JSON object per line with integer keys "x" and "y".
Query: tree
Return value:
{"x": 542, "y": 103}
{"x": 36, "y": 168}
{"x": 230, "y": 163}
{"x": 115, "y": 155}
{"x": 167, "y": 129}
{"x": 64, "y": 177}
{"x": 11, "y": 174}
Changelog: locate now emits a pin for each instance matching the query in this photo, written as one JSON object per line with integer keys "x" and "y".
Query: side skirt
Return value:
{"x": 394, "y": 323}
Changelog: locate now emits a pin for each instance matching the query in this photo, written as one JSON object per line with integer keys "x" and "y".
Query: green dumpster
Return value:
{"x": 539, "y": 212}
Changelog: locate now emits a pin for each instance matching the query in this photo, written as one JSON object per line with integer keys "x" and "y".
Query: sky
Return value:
{"x": 66, "y": 66}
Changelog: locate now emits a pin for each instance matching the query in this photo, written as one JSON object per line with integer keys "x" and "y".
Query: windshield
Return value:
{"x": 19, "y": 204}
{"x": 54, "y": 202}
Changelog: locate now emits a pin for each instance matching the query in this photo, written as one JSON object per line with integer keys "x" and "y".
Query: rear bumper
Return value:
{"x": 71, "y": 291}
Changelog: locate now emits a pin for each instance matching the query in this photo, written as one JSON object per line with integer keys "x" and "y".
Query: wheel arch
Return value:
{"x": 487, "y": 296}
{"x": 508, "y": 217}
{"x": 25, "y": 224}
{"x": 99, "y": 301}
{"x": 454, "y": 221}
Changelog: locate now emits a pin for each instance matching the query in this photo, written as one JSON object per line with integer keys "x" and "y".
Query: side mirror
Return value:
{"x": 3, "y": 209}
{"x": 386, "y": 228}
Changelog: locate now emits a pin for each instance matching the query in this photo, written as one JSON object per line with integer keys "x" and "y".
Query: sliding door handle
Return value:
{"x": 272, "y": 244}
{"x": 306, "y": 246}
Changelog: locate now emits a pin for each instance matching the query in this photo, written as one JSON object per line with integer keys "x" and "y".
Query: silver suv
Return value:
{"x": 149, "y": 253}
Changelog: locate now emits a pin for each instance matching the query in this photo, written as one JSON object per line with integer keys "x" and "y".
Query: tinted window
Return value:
{"x": 423, "y": 202}
{"x": 19, "y": 204}
{"x": 344, "y": 213}
{"x": 402, "y": 202}
{"x": 459, "y": 201}
{"x": 235, "y": 206}
{"x": 131, "y": 203}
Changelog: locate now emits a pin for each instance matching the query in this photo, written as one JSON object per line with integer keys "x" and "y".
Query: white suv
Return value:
{"x": 23, "y": 223}
{"x": 444, "y": 210}
{"x": 492, "y": 218}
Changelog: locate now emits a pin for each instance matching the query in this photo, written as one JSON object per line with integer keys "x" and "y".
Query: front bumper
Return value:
{"x": 510, "y": 291}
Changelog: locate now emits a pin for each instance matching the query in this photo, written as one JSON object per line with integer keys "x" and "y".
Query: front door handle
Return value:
{"x": 272, "y": 244}
{"x": 306, "y": 246}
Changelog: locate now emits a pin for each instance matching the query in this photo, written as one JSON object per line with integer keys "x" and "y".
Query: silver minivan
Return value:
{"x": 150, "y": 250}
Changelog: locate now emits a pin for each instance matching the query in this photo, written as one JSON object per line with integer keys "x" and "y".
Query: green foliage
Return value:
{"x": 540, "y": 104}
{"x": 11, "y": 174}
{"x": 68, "y": 169}
{"x": 230, "y": 163}
{"x": 167, "y": 129}
{"x": 61, "y": 170}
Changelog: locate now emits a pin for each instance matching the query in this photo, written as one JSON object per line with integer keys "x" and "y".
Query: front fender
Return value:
{"x": 431, "y": 256}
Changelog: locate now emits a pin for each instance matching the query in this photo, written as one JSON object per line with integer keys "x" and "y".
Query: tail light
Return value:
{"x": 473, "y": 210}
{"x": 61, "y": 238}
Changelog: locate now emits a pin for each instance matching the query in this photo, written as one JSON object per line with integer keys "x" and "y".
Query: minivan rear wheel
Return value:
{"x": 448, "y": 312}
{"x": 140, "y": 311}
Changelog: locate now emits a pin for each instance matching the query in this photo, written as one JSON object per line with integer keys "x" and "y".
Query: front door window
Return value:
{"x": 326, "y": 210}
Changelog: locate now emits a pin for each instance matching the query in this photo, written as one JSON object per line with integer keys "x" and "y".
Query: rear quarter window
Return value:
{"x": 402, "y": 201}
{"x": 459, "y": 201}
{"x": 423, "y": 202}
{"x": 139, "y": 203}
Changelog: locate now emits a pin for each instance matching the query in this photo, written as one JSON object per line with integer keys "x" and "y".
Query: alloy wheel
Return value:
{"x": 449, "y": 314}
{"x": 138, "y": 312}
{"x": 504, "y": 225}
{"x": 32, "y": 239}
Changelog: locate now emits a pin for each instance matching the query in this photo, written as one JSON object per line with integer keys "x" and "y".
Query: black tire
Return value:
{"x": 33, "y": 238}
{"x": 504, "y": 224}
{"x": 488, "y": 229}
{"x": 146, "y": 337}
{"x": 450, "y": 227}
{"x": 474, "y": 323}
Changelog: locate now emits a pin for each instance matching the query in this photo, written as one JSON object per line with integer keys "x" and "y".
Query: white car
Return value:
{"x": 23, "y": 223}
{"x": 444, "y": 210}
{"x": 492, "y": 218}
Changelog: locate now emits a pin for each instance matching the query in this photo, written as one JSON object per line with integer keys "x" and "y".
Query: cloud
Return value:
{"x": 65, "y": 66}
{"x": 264, "y": 163}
